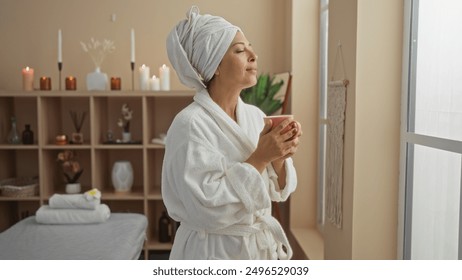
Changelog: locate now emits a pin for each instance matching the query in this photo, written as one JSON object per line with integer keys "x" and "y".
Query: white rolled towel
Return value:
{"x": 87, "y": 200}
{"x": 47, "y": 215}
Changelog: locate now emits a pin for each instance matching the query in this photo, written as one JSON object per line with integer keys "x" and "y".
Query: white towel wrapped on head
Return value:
{"x": 87, "y": 200}
{"x": 47, "y": 215}
{"x": 196, "y": 46}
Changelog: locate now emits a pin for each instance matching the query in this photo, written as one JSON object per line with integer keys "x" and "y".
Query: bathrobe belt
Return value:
{"x": 262, "y": 222}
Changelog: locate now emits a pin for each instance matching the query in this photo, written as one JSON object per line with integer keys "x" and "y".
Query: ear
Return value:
{"x": 217, "y": 72}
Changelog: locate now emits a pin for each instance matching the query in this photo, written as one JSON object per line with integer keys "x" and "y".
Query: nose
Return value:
{"x": 253, "y": 56}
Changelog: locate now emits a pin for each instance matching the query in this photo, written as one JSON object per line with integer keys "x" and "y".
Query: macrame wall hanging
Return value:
{"x": 336, "y": 107}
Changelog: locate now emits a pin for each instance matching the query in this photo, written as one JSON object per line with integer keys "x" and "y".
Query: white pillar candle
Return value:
{"x": 60, "y": 46}
{"x": 132, "y": 46}
{"x": 155, "y": 83}
{"x": 28, "y": 79}
{"x": 144, "y": 77}
{"x": 164, "y": 74}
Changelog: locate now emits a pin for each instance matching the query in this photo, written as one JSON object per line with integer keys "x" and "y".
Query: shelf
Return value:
{"x": 67, "y": 147}
{"x": 122, "y": 196}
{"x": 119, "y": 146}
{"x": 30, "y": 198}
{"x": 48, "y": 114}
{"x": 85, "y": 93}
{"x": 18, "y": 147}
{"x": 156, "y": 245}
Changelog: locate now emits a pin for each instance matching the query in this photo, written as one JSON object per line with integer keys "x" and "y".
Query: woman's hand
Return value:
{"x": 275, "y": 145}
{"x": 278, "y": 164}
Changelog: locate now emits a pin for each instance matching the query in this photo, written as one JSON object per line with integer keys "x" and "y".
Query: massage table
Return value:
{"x": 121, "y": 237}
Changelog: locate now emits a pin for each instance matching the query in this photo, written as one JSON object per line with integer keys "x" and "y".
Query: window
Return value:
{"x": 431, "y": 134}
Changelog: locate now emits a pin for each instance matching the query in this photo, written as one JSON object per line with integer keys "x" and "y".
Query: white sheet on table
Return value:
{"x": 119, "y": 238}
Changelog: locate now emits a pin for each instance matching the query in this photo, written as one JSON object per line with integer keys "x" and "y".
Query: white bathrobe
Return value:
{"x": 222, "y": 203}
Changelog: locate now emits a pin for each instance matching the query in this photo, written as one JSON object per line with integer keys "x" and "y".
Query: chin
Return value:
{"x": 253, "y": 81}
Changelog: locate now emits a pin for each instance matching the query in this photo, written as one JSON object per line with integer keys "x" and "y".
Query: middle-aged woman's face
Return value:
{"x": 239, "y": 64}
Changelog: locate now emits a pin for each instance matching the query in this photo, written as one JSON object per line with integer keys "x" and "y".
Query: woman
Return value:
{"x": 223, "y": 164}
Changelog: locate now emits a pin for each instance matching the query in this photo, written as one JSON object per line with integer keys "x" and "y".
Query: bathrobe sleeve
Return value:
{"x": 203, "y": 187}
{"x": 276, "y": 193}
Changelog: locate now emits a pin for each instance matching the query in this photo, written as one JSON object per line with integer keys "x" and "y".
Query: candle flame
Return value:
{"x": 27, "y": 68}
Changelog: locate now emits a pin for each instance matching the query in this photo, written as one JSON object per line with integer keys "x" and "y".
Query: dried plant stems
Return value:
{"x": 77, "y": 119}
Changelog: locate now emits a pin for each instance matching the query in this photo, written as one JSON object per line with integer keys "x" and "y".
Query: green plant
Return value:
{"x": 262, "y": 94}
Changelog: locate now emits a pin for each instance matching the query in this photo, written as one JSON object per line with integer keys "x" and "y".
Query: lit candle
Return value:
{"x": 28, "y": 79}
{"x": 144, "y": 77}
{"x": 45, "y": 83}
{"x": 155, "y": 83}
{"x": 71, "y": 83}
{"x": 164, "y": 74}
{"x": 60, "y": 47}
{"x": 132, "y": 44}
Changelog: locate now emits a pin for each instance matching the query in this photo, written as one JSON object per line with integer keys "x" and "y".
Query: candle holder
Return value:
{"x": 116, "y": 83}
{"x": 71, "y": 83}
{"x": 60, "y": 67}
{"x": 132, "y": 65}
{"x": 45, "y": 83}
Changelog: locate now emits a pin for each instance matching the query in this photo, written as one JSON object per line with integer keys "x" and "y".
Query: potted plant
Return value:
{"x": 71, "y": 170}
{"x": 124, "y": 122}
{"x": 262, "y": 94}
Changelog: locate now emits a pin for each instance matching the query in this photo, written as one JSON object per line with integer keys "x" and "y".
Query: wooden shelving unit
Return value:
{"x": 47, "y": 112}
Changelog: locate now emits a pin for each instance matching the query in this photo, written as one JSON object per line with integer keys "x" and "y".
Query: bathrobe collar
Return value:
{"x": 231, "y": 128}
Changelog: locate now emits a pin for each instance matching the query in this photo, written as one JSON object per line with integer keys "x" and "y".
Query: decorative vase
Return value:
{"x": 13, "y": 135}
{"x": 97, "y": 80}
{"x": 126, "y": 137}
{"x": 122, "y": 176}
{"x": 73, "y": 188}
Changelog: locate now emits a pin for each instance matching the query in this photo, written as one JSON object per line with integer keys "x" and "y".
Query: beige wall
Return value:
{"x": 342, "y": 28}
{"x": 29, "y": 29}
{"x": 371, "y": 36}
{"x": 378, "y": 96}
{"x": 305, "y": 60}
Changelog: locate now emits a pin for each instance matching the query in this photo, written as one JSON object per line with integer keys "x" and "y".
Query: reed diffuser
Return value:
{"x": 77, "y": 120}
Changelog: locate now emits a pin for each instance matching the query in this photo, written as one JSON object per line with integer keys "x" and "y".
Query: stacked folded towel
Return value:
{"x": 83, "y": 208}
{"x": 88, "y": 200}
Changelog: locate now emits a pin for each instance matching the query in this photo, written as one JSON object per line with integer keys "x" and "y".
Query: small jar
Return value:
{"x": 164, "y": 228}
{"x": 61, "y": 139}
{"x": 27, "y": 136}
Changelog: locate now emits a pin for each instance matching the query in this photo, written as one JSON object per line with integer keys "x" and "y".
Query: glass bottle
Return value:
{"x": 28, "y": 136}
{"x": 13, "y": 136}
{"x": 164, "y": 228}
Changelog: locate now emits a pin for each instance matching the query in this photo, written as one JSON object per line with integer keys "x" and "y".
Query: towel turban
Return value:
{"x": 196, "y": 46}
